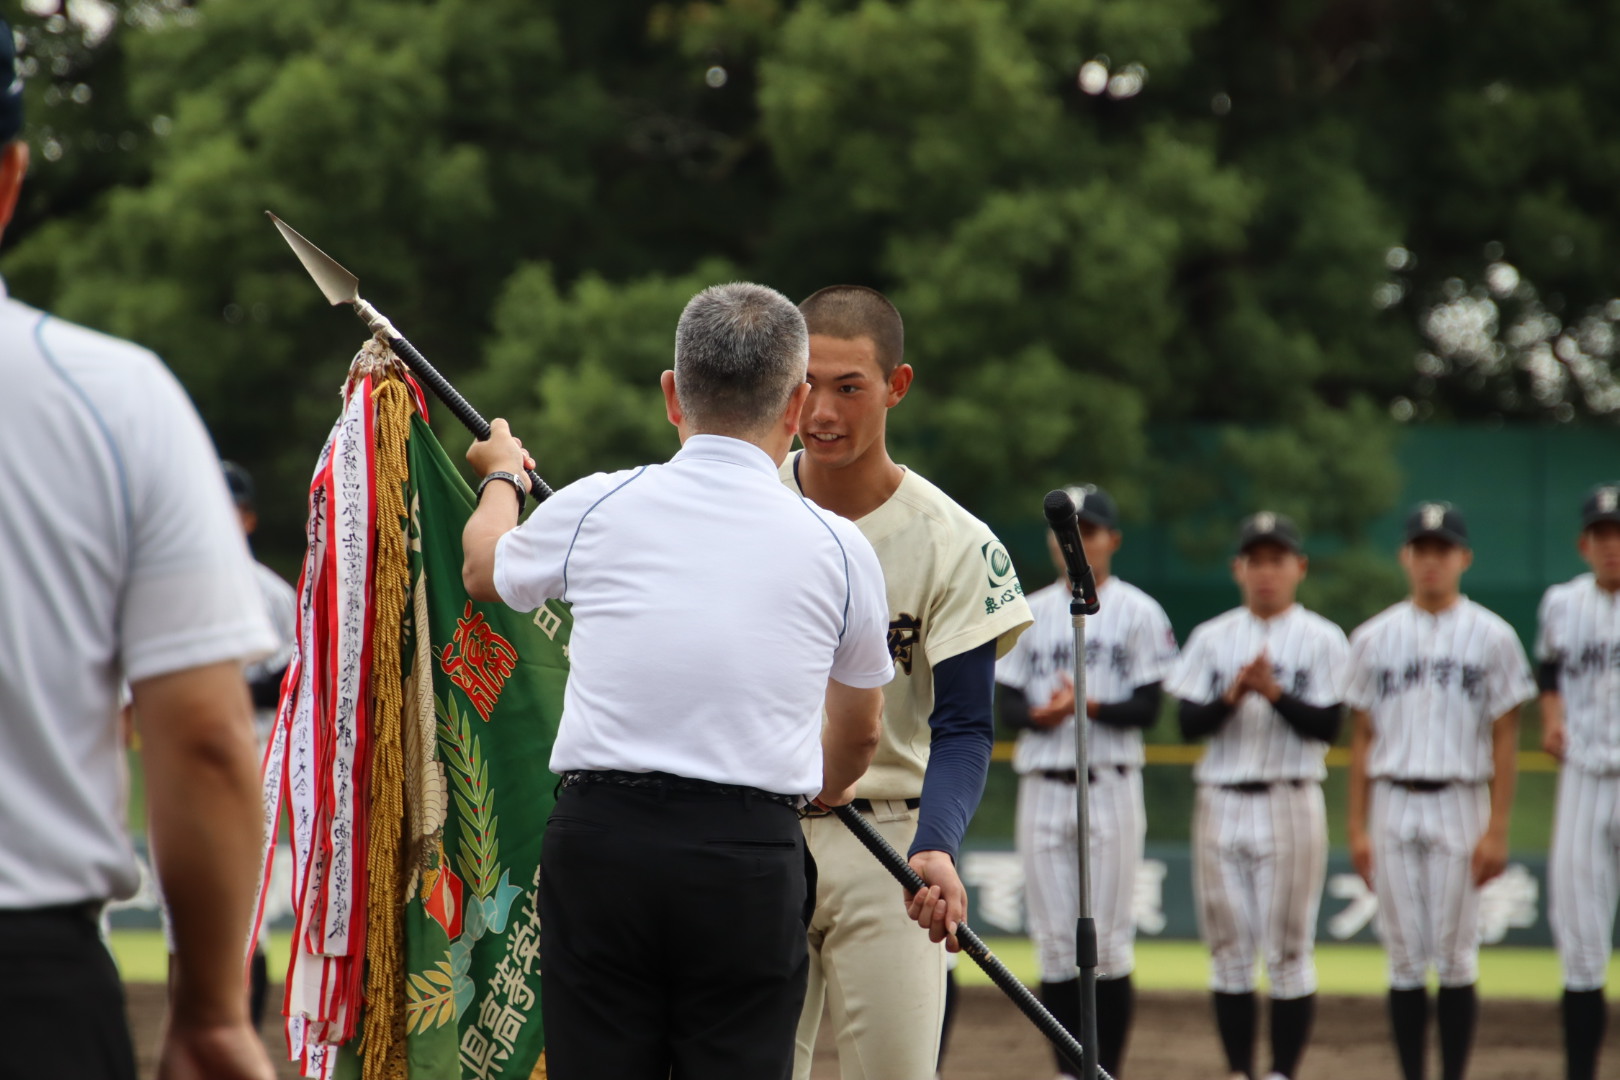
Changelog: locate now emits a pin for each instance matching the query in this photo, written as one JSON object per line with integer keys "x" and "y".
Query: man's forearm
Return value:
{"x": 958, "y": 765}
{"x": 1310, "y": 721}
{"x": 850, "y": 736}
{"x": 963, "y": 734}
{"x": 205, "y": 818}
{"x": 1505, "y": 759}
{"x": 1138, "y": 711}
{"x": 1198, "y": 719}
{"x": 495, "y": 515}
{"x": 1552, "y": 708}
{"x": 1360, "y": 743}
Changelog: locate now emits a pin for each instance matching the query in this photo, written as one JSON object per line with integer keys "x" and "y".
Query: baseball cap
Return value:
{"x": 1094, "y": 505}
{"x": 240, "y": 481}
{"x": 1438, "y": 521}
{"x": 11, "y": 86}
{"x": 1268, "y": 528}
{"x": 1602, "y": 504}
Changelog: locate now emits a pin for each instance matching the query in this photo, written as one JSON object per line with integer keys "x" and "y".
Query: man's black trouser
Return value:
{"x": 61, "y": 1002}
{"x": 672, "y": 935}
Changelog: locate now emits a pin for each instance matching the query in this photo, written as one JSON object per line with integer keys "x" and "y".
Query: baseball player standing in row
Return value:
{"x": 1579, "y": 653}
{"x": 1129, "y": 650}
{"x": 1436, "y": 683}
{"x": 1265, "y": 682}
{"x": 955, "y": 605}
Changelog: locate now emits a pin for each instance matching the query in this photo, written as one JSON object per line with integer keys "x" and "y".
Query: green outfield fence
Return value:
{"x": 1520, "y": 486}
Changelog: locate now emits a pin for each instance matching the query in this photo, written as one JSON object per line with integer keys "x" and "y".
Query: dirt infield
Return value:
{"x": 1174, "y": 1040}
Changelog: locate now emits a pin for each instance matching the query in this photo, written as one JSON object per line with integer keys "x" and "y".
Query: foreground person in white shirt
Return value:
{"x": 120, "y": 558}
{"x": 714, "y": 611}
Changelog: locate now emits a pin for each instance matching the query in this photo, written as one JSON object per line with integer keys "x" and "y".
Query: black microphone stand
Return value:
{"x": 1082, "y": 602}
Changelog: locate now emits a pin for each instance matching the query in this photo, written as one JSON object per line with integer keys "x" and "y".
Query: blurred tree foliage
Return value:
{"x": 1113, "y": 229}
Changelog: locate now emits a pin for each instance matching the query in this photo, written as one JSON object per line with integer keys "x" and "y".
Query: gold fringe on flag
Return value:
{"x": 382, "y": 1041}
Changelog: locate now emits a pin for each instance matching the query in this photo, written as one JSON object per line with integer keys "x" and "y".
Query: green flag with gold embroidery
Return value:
{"x": 410, "y": 756}
{"x": 478, "y": 733}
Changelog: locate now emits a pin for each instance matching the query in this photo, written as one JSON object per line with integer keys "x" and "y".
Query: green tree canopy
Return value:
{"x": 1107, "y": 225}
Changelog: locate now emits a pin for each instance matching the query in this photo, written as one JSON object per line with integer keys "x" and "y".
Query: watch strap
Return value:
{"x": 510, "y": 478}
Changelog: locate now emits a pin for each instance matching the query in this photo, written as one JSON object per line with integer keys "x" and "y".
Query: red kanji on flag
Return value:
{"x": 478, "y": 660}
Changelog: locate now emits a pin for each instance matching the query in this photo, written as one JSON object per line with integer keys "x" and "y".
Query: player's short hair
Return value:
{"x": 853, "y": 311}
{"x": 740, "y": 352}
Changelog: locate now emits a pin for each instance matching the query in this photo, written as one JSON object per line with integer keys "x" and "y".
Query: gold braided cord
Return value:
{"x": 382, "y": 1039}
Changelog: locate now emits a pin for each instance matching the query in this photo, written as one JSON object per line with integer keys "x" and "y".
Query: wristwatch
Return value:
{"x": 510, "y": 478}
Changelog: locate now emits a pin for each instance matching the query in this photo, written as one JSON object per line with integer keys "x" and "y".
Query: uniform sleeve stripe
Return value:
{"x": 581, "y": 525}
{"x": 95, "y": 414}
{"x": 841, "y": 552}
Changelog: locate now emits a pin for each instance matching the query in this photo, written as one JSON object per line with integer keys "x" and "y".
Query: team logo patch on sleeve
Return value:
{"x": 998, "y": 563}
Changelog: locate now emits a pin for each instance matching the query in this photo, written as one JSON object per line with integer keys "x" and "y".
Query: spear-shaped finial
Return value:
{"x": 341, "y": 287}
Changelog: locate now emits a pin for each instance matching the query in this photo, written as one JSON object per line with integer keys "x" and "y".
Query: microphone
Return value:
{"x": 1065, "y": 524}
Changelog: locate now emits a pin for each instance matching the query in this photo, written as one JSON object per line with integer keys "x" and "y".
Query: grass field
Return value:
{"x": 1160, "y": 965}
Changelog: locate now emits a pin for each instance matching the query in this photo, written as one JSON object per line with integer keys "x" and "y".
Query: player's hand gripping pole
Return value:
{"x": 971, "y": 943}
{"x": 341, "y": 287}
{"x": 1064, "y": 520}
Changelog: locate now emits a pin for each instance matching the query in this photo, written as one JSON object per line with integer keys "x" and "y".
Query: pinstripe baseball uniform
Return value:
{"x": 1259, "y": 825}
{"x": 1580, "y": 633}
{"x": 1432, "y": 685}
{"x": 1129, "y": 644}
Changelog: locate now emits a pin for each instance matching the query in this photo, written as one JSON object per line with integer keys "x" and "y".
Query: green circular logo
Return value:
{"x": 998, "y": 562}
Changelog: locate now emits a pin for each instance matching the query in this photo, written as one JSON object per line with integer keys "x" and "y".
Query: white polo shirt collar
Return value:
{"x": 727, "y": 449}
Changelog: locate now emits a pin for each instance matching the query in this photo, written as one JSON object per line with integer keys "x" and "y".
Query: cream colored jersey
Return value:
{"x": 951, "y": 588}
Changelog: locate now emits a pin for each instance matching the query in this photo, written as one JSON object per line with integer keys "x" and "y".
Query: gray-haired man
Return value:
{"x": 714, "y": 610}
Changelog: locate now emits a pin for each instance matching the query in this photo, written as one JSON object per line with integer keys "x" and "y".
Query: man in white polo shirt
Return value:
{"x": 120, "y": 558}
{"x": 714, "y": 611}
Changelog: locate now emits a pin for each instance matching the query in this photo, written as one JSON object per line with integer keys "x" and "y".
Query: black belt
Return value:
{"x": 1260, "y": 787}
{"x": 664, "y": 783}
{"x": 1426, "y": 787}
{"x": 85, "y": 911}
{"x": 865, "y": 805}
{"x": 1069, "y": 776}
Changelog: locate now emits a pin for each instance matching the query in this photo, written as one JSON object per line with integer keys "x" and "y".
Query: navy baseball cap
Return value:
{"x": 1437, "y": 521}
{"x": 11, "y": 86}
{"x": 1602, "y": 504}
{"x": 1094, "y": 505}
{"x": 1268, "y": 528}
{"x": 240, "y": 482}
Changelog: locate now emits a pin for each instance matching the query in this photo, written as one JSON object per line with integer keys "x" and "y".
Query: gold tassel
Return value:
{"x": 382, "y": 1040}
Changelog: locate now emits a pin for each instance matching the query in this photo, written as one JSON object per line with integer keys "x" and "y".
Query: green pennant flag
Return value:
{"x": 477, "y": 737}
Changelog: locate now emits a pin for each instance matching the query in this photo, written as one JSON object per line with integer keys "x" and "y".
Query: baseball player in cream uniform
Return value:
{"x": 1265, "y": 683}
{"x": 955, "y": 605}
{"x": 1578, "y": 651}
{"x": 1436, "y": 683}
{"x": 1129, "y": 650}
